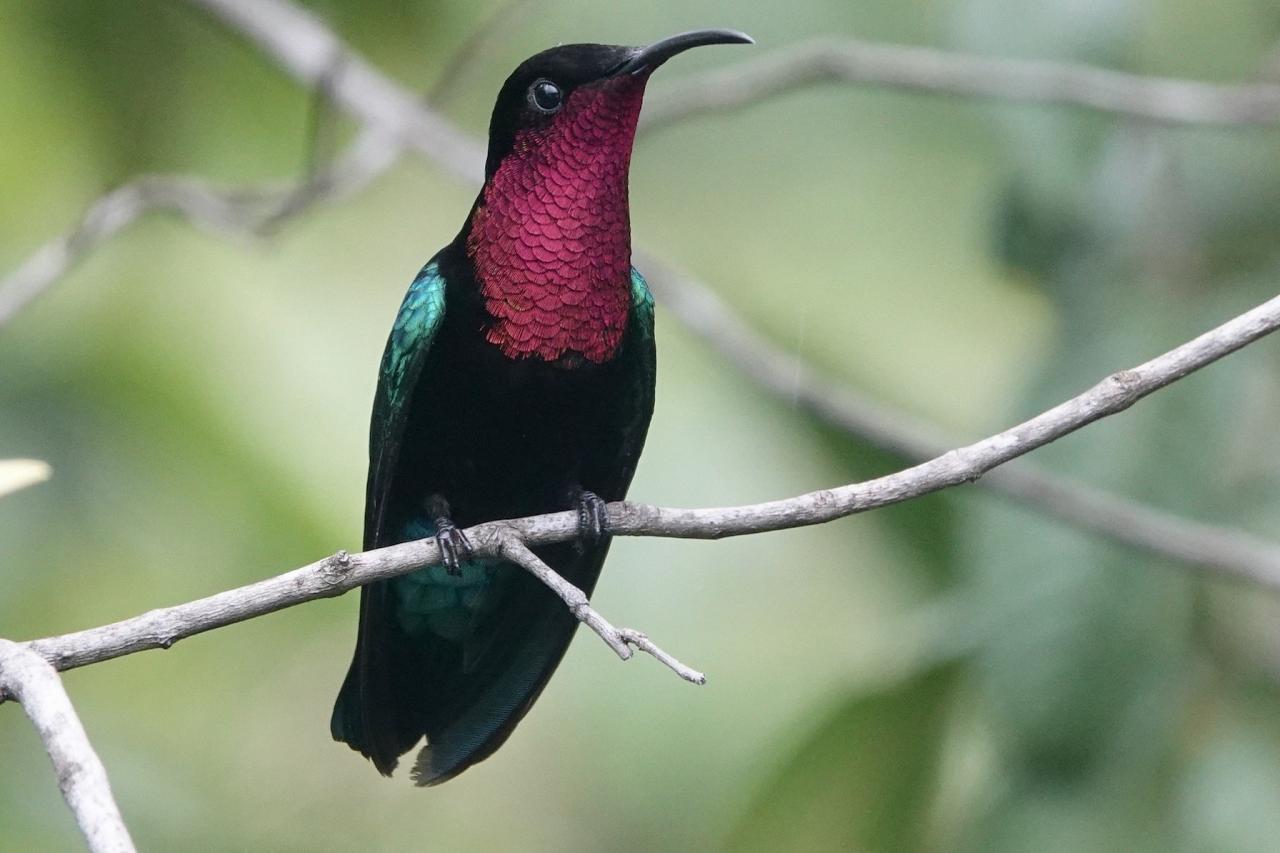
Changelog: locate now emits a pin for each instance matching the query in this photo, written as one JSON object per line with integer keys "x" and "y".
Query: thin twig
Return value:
{"x": 302, "y": 45}
{"x": 342, "y": 572}
{"x": 194, "y": 199}
{"x": 619, "y": 639}
{"x": 926, "y": 70}
{"x": 26, "y": 677}
{"x": 374, "y": 152}
{"x": 501, "y": 20}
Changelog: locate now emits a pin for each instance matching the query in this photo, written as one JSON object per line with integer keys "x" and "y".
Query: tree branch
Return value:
{"x": 620, "y": 640}
{"x": 342, "y": 572}
{"x": 28, "y": 678}
{"x": 938, "y": 72}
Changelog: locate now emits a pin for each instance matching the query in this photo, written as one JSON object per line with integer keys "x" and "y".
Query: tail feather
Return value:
{"x": 477, "y": 731}
{"x": 465, "y": 697}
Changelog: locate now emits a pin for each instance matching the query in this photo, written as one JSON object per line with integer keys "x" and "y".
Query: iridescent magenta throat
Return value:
{"x": 551, "y": 241}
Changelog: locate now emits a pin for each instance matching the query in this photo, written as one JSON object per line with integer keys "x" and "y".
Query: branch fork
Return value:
{"x": 508, "y": 544}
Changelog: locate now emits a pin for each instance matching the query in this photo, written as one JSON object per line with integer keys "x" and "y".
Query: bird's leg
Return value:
{"x": 592, "y": 522}
{"x": 455, "y": 548}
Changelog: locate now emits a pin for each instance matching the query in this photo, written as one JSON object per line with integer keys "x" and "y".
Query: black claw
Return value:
{"x": 592, "y": 522}
{"x": 455, "y": 547}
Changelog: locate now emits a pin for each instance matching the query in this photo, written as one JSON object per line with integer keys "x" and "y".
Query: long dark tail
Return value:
{"x": 464, "y": 697}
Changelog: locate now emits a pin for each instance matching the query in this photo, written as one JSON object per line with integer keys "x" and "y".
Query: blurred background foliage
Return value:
{"x": 953, "y": 674}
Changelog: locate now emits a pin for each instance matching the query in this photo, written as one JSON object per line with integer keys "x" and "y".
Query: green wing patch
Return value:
{"x": 641, "y": 302}
{"x": 421, "y": 315}
{"x": 415, "y": 326}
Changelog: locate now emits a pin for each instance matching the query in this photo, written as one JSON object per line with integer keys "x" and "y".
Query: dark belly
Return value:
{"x": 501, "y": 439}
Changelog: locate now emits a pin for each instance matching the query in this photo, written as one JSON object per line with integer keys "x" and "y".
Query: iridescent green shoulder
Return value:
{"x": 416, "y": 324}
{"x": 641, "y": 302}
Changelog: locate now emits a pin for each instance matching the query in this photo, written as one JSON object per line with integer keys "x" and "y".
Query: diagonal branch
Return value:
{"x": 927, "y": 70}
{"x": 314, "y": 55}
{"x": 342, "y": 572}
{"x": 28, "y": 678}
{"x": 374, "y": 151}
{"x": 621, "y": 640}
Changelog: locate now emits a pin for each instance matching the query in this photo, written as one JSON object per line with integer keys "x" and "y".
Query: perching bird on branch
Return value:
{"x": 518, "y": 379}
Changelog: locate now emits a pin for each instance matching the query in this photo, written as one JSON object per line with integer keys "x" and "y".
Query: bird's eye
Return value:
{"x": 545, "y": 96}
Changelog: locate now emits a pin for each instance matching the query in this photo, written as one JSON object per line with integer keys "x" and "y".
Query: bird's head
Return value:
{"x": 549, "y": 237}
{"x": 581, "y": 95}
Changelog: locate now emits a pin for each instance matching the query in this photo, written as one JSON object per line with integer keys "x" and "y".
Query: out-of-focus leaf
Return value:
{"x": 863, "y": 780}
{"x": 17, "y": 474}
{"x": 1071, "y": 819}
{"x": 1089, "y": 678}
{"x": 1229, "y": 801}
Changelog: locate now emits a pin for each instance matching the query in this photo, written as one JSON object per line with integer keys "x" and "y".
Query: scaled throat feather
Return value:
{"x": 551, "y": 238}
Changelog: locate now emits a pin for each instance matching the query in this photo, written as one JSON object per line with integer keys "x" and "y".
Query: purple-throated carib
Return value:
{"x": 518, "y": 379}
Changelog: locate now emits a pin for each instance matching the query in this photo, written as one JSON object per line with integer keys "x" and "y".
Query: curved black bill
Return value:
{"x": 648, "y": 58}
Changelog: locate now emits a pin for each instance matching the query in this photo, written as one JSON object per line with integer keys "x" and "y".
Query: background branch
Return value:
{"x": 393, "y": 118}
{"x": 342, "y": 572}
{"x": 302, "y": 43}
{"x": 939, "y": 72}
{"x": 314, "y": 55}
{"x": 28, "y": 678}
{"x": 374, "y": 151}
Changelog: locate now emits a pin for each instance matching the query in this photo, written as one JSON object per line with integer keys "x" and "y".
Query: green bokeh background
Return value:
{"x": 956, "y": 674}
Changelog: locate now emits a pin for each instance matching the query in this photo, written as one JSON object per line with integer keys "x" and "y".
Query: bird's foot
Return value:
{"x": 592, "y": 520}
{"x": 455, "y": 547}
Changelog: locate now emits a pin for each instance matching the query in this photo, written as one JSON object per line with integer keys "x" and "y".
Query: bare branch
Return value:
{"x": 619, "y": 639}
{"x": 789, "y": 377}
{"x": 374, "y": 151}
{"x": 394, "y": 118}
{"x": 501, "y": 20}
{"x": 371, "y": 154}
{"x": 238, "y": 212}
{"x": 342, "y": 572}
{"x": 312, "y": 53}
{"x": 928, "y": 70}
{"x": 107, "y": 216}
{"x": 28, "y": 678}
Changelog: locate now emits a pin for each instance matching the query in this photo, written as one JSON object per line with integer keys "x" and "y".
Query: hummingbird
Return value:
{"x": 518, "y": 379}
